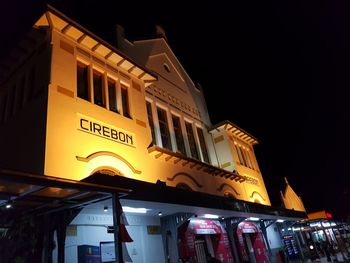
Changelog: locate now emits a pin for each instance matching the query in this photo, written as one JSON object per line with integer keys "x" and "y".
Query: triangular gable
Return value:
{"x": 160, "y": 46}
{"x": 291, "y": 200}
{"x": 166, "y": 69}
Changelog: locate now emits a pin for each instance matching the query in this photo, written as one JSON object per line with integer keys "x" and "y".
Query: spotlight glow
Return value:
{"x": 129, "y": 209}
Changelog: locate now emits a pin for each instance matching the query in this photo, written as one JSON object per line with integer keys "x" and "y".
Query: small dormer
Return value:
{"x": 234, "y": 147}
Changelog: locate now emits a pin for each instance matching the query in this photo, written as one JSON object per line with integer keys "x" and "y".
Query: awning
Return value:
{"x": 161, "y": 193}
{"x": 24, "y": 194}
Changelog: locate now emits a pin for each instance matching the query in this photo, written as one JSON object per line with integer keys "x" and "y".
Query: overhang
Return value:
{"x": 235, "y": 131}
{"x": 196, "y": 165}
{"x": 161, "y": 193}
{"x": 23, "y": 194}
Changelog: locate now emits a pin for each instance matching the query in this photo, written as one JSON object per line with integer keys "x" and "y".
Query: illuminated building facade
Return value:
{"x": 75, "y": 107}
{"x": 179, "y": 122}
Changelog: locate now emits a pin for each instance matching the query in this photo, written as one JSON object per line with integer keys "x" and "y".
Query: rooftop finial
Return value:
{"x": 285, "y": 179}
{"x": 160, "y": 32}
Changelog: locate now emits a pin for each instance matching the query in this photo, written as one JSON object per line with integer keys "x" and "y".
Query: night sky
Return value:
{"x": 278, "y": 69}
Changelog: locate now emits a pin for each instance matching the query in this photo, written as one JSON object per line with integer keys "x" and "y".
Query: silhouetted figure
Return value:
{"x": 325, "y": 247}
{"x": 211, "y": 259}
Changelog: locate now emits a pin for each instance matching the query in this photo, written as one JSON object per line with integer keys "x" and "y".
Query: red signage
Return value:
{"x": 329, "y": 215}
{"x": 249, "y": 233}
{"x": 211, "y": 232}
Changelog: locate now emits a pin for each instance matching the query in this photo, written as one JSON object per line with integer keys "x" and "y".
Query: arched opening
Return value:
{"x": 229, "y": 195}
{"x": 184, "y": 186}
{"x": 257, "y": 201}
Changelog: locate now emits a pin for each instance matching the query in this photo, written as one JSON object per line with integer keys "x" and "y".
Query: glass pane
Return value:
{"x": 98, "y": 90}
{"x": 164, "y": 128}
{"x": 150, "y": 120}
{"x": 82, "y": 82}
{"x": 203, "y": 145}
{"x": 191, "y": 141}
{"x": 178, "y": 135}
{"x": 125, "y": 102}
{"x": 112, "y": 95}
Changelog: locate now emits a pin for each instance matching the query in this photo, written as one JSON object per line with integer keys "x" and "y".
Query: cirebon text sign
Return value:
{"x": 98, "y": 128}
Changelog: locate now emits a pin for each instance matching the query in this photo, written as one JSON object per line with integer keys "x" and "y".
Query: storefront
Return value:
{"x": 251, "y": 243}
{"x": 200, "y": 237}
{"x": 323, "y": 238}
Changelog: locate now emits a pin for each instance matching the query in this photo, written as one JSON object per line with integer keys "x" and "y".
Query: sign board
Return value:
{"x": 103, "y": 130}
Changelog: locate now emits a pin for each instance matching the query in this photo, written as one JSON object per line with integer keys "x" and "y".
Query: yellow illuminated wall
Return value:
{"x": 291, "y": 200}
{"x": 79, "y": 140}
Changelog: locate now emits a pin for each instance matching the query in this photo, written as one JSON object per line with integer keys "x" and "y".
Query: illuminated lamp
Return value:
{"x": 210, "y": 216}
{"x": 329, "y": 215}
{"x": 105, "y": 209}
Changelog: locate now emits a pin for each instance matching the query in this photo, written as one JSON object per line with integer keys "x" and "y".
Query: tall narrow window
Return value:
{"x": 112, "y": 95}
{"x": 150, "y": 120}
{"x": 191, "y": 141}
{"x": 178, "y": 135}
{"x": 243, "y": 156}
{"x": 239, "y": 155}
{"x": 125, "y": 101}
{"x": 247, "y": 157}
{"x": 164, "y": 128}
{"x": 82, "y": 81}
{"x": 99, "y": 95}
{"x": 203, "y": 145}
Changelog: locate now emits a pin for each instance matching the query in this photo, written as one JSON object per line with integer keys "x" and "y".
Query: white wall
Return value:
{"x": 273, "y": 237}
{"x": 91, "y": 230}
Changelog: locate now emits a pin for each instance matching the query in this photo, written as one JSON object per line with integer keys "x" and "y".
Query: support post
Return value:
{"x": 231, "y": 238}
{"x": 116, "y": 222}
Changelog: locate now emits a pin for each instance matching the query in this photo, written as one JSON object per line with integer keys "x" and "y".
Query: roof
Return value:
{"x": 236, "y": 131}
{"x": 71, "y": 29}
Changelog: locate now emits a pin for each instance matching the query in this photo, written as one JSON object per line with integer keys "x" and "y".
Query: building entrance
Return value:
{"x": 251, "y": 243}
{"x": 199, "y": 237}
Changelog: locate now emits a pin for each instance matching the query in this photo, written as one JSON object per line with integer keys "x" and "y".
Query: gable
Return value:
{"x": 166, "y": 70}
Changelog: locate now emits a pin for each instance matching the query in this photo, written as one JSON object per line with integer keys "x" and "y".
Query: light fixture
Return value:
{"x": 253, "y": 219}
{"x": 105, "y": 209}
{"x": 210, "y": 216}
{"x": 160, "y": 213}
{"x": 129, "y": 209}
{"x": 9, "y": 204}
{"x": 279, "y": 220}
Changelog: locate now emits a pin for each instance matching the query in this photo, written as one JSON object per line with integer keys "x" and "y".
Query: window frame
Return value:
{"x": 203, "y": 145}
{"x": 178, "y": 134}
{"x": 151, "y": 122}
{"x": 86, "y": 67}
{"x": 194, "y": 145}
{"x": 124, "y": 89}
{"x": 166, "y": 122}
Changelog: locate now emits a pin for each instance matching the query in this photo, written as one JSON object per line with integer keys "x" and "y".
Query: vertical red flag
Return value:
{"x": 123, "y": 232}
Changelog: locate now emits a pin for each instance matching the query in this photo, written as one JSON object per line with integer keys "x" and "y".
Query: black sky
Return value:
{"x": 278, "y": 69}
